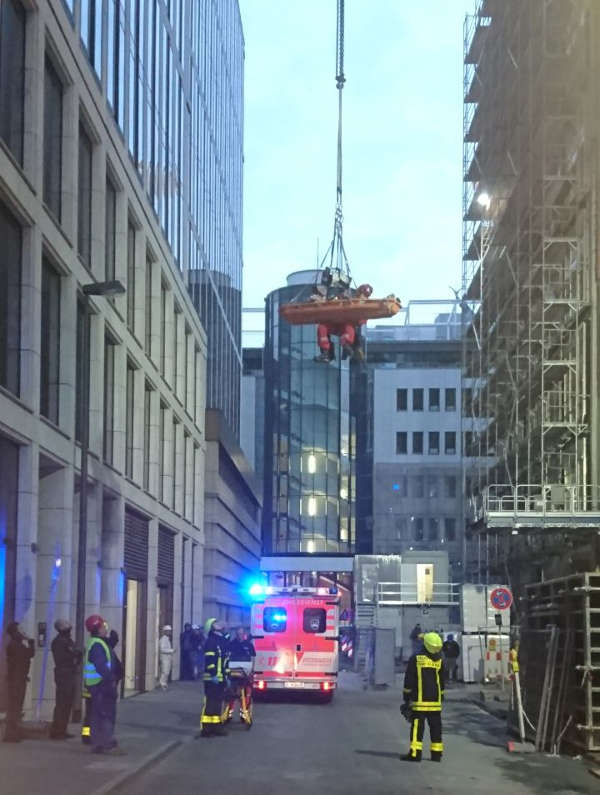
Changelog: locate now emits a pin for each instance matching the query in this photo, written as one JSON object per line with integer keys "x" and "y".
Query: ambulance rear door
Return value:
{"x": 317, "y": 636}
{"x": 273, "y": 632}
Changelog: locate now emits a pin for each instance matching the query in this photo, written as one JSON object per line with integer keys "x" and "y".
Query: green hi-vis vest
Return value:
{"x": 91, "y": 676}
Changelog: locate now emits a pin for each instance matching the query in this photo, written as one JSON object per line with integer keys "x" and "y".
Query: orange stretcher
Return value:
{"x": 339, "y": 310}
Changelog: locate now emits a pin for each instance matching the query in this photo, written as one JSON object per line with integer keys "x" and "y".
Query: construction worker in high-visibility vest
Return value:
{"x": 216, "y": 666}
{"x": 423, "y": 695}
{"x": 100, "y": 676}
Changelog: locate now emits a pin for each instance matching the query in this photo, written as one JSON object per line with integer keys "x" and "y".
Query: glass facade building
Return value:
{"x": 310, "y": 439}
{"x": 172, "y": 72}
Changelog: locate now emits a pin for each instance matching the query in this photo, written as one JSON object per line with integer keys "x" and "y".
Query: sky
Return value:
{"x": 402, "y": 142}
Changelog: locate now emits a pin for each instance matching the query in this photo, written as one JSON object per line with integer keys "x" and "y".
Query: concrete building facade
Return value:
{"x": 417, "y": 447}
{"x": 92, "y": 121}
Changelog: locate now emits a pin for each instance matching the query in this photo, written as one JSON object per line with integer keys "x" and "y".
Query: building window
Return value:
{"x": 419, "y": 528}
{"x": 401, "y": 443}
{"x": 432, "y": 486}
{"x": 10, "y": 301}
{"x": 50, "y": 343}
{"x": 434, "y": 400}
{"x": 174, "y": 464}
{"x": 79, "y": 373}
{"x": 115, "y": 66}
{"x": 110, "y": 232}
{"x": 177, "y": 312}
{"x": 84, "y": 197}
{"x": 161, "y": 451}
{"x": 434, "y": 443}
{"x": 450, "y": 529}
{"x": 450, "y": 482}
{"x": 91, "y": 31}
{"x": 450, "y": 399}
{"x": 470, "y": 445}
{"x": 129, "y": 419}
{"x": 12, "y": 75}
{"x": 419, "y": 486}
{"x": 163, "y": 327}
{"x": 434, "y": 529}
{"x": 401, "y": 399}
{"x": 187, "y": 370}
{"x": 131, "y": 276}
{"x": 109, "y": 400}
{"x": 53, "y": 123}
{"x": 450, "y": 442}
{"x": 417, "y": 446}
{"x": 417, "y": 400}
{"x": 186, "y": 439}
{"x": 147, "y": 433}
{"x": 148, "y": 302}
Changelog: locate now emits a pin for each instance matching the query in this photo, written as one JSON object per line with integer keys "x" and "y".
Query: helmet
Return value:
{"x": 94, "y": 623}
{"x": 366, "y": 290}
{"x": 432, "y": 642}
{"x": 209, "y": 625}
{"x": 167, "y": 628}
{"x": 62, "y": 625}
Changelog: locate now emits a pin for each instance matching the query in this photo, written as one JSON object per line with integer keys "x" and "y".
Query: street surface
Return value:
{"x": 354, "y": 746}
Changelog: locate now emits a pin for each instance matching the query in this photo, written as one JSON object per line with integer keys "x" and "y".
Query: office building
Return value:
{"x": 100, "y": 111}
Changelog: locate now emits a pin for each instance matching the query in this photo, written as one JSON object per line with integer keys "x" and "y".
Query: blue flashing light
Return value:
{"x": 256, "y": 589}
{"x": 279, "y": 618}
{"x": 396, "y": 486}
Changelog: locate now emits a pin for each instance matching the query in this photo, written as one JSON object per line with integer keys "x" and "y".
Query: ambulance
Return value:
{"x": 295, "y": 632}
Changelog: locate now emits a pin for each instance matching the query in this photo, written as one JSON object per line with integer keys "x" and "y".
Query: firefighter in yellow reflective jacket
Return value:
{"x": 216, "y": 666}
{"x": 423, "y": 696}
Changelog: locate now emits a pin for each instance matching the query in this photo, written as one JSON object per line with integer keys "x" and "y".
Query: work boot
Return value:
{"x": 436, "y": 756}
{"x": 323, "y": 357}
{"x": 411, "y": 758}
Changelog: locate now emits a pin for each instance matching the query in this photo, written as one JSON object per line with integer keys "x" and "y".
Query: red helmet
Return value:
{"x": 366, "y": 290}
{"x": 94, "y": 623}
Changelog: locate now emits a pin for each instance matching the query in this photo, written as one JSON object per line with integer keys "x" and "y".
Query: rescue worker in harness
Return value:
{"x": 347, "y": 332}
{"x": 216, "y": 667}
{"x": 423, "y": 696}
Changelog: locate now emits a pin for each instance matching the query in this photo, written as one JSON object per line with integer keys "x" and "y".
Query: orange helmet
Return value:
{"x": 366, "y": 290}
{"x": 94, "y": 623}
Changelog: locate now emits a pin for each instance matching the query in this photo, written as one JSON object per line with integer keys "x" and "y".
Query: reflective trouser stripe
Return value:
{"x": 204, "y": 718}
{"x": 437, "y": 747}
{"x": 86, "y": 731}
{"x": 415, "y": 744}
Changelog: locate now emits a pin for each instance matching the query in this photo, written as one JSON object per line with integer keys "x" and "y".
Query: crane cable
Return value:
{"x": 336, "y": 249}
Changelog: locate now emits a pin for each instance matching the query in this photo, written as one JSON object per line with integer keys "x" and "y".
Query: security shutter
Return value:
{"x": 136, "y": 545}
{"x": 166, "y": 556}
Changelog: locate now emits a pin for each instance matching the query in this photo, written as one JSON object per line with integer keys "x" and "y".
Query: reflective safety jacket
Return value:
{"x": 424, "y": 682}
{"x": 216, "y": 657}
{"x": 96, "y": 662}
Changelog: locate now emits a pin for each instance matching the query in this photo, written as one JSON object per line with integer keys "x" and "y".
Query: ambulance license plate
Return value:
{"x": 303, "y": 685}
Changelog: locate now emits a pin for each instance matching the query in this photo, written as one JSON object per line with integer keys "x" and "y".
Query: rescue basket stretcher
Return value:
{"x": 339, "y": 311}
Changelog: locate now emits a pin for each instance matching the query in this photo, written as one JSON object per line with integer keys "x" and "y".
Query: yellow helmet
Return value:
{"x": 209, "y": 625}
{"x": 432, "y": 642}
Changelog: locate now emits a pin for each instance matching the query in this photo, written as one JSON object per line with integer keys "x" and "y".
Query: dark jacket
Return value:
{"x": 216, "y": 657}
{"x": 18, "y": 659}
{"x": 451, "y": 649}
{"x": 241, "y": 650}
{"x": 424, "y": 682}
{"x": 66, "y": 657}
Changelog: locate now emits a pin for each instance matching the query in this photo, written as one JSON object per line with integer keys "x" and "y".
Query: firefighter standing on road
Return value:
{"x": 216, "y": 664}
{"x": 423, "y": 694}
{"x": 100, "y": 677}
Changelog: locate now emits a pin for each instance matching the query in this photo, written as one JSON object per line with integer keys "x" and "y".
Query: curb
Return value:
{"x": 488, "y": 708}
{"x": 126, "y": 776}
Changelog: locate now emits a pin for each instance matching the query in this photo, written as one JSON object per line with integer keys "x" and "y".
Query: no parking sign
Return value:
{"x": 501, "y": 598}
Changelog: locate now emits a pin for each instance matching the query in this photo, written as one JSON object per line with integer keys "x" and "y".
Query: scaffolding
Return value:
{"x": 529, "y": 231}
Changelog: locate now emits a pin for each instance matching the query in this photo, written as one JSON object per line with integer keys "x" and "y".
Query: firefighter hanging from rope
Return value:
{"x": 335, "y": 307}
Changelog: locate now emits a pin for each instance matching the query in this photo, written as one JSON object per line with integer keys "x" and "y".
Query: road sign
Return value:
{"x": 501, "y": 598}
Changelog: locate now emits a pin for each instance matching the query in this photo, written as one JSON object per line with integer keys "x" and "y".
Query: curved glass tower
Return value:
{"x": 310, "y": 438}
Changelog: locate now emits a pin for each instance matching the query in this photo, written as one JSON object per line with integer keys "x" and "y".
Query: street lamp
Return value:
{"x": 99, "y": 289}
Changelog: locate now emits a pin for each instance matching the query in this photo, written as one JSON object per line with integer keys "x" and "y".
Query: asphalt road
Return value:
{"x": 354, "y": 745}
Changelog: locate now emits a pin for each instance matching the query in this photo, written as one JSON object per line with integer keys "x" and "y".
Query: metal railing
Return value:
{"x": 541, "y": 499}
{"x": 401, "y": 593}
